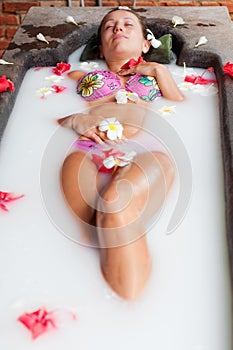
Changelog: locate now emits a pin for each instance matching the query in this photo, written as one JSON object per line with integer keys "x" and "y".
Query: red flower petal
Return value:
{"x": 6, "y": 84}
{"x": 6, "y": 197}
{"x": 132, "y": 63}
{"x": 11, "y": 85}
{"x": 99, "y": 162}
{"x": 197, "y": 79}
{"x": 97, "y": 159}
{"x": 38, "y": 322}
{"x": 228, "y": 68}
{"x": 4, "y": 207}
{"x": 9, "y": 197}
{"x": 58, "y": 88}
{"x": 103, "y": 169}
{"x": 61, "y": 68}
{"x": 41, "y": 321}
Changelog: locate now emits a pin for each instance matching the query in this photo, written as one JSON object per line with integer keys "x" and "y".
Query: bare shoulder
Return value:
{"x": 76, "y": 75}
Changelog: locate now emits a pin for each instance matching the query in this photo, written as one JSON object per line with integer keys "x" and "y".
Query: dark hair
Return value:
{"x": 140, "y": 19}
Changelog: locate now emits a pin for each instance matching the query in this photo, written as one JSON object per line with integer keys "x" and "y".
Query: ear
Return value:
{"x": 146, "y": 46}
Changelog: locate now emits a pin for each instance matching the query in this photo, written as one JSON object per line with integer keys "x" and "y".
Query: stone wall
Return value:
{"x": 12, "y": 12}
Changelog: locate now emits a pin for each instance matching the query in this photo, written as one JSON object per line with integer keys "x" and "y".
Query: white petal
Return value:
{"x": 41, "y": 37}
{"x": 122, "y": 163}
{"x": 177, "y": 20}
{"x": 155, "y": 43}
{"x": 112, "y": 120}
{"x": 54, "y": 78}
{"x": 5, "y": 62}
{"x": 70, "y": 19}
{"x": 103, "y": 125}
{"x": 119, "y": 131}
{"x": 111, "y": 134}
{"x": 124, "y": 8}
{"x": 129, "y": 156}
{"x": 133, "y": 97}
{"x": 121, "y": 97}
{"x": 109, "y": 162}
{"x": 149, "y": 37}
{"x": 202, "y": 41}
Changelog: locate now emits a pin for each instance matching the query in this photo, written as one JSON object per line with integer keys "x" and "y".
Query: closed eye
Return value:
{"x": 129, "y": 24}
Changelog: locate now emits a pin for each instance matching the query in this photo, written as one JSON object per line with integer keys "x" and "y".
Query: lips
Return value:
{"x": 119, "y": 36}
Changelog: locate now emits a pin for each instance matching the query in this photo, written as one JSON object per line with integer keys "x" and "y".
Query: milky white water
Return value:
{"x": 187, "y": 302}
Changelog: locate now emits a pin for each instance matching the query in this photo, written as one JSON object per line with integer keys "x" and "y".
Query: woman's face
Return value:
{"x": 121, "y": 36}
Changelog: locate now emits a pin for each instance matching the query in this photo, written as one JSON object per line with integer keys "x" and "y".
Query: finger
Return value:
{"x": 95, "y": 138}
{"x": 126, "y": 71}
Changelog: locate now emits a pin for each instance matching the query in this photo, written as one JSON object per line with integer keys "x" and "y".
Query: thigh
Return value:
{"x": 79, "y": 184}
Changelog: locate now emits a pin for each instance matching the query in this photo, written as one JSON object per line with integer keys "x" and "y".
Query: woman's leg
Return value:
{"x": 134, "y": 195}
{"x": 79, "y": 184}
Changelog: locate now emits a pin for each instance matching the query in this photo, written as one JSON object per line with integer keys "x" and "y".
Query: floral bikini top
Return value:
{"x": 100, "y": 83}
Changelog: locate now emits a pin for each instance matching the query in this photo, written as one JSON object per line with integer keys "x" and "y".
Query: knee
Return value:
{"x": 115, "y": 198}
{"x": 107, "y": 205}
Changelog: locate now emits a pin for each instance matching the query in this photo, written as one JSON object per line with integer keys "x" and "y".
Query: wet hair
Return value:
{"x": 140, "y": 19}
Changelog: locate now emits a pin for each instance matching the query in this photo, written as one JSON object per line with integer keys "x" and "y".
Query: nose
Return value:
{"x": 118, "y": 27}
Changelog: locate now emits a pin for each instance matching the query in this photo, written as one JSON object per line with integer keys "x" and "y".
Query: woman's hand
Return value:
{"x": 85, "y": 125}
{"x": 144, "y": 68}
{"x": 162, "y": 75}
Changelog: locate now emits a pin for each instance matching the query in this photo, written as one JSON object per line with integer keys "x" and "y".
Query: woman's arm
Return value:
{"x": 164, "y": 78}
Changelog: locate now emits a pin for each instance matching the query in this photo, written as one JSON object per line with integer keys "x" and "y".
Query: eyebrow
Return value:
{"x": 113, "y": 19}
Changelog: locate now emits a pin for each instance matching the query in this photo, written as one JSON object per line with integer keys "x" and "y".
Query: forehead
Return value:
{"x": 120, "y": 14}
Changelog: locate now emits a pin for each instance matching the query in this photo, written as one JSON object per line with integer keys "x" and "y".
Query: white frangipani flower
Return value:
{"x": 44, "y": 91}
{"x": 5, "y": 62}
{"x": 88, "y": 66}
{"x": 202, "y": 41}
{"x": 184, "y": 86}
{"x": 119, "y": 159}
{"x": 133, "y": 96}
{"x": 112, "y": 127}
{"x": 166, "y": 110}
{"x": 121, "y": 96}
{"x": 41, "y": 37}
{"x": 54, "y": 78}
{"x": 177, "y": 20}
{"x": 150, "y": 37}
{"x": 71, "y": 20}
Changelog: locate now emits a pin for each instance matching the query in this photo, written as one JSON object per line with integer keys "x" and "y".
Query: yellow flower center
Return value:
{"x": 112, "y": 127}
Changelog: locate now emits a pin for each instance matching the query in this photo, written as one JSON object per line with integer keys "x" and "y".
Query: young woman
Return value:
{"x": 132, "y": 195}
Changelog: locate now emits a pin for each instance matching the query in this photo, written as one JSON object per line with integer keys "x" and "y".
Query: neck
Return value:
{"x": 115, "y": 66}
